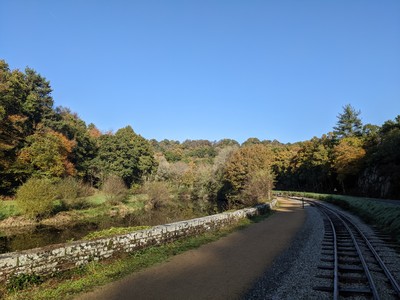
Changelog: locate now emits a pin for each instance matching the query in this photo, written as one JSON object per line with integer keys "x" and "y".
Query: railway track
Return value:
{"x": 355, "y": 264}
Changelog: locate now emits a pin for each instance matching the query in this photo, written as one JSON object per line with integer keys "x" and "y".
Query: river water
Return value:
{"x": 39, "y": 236}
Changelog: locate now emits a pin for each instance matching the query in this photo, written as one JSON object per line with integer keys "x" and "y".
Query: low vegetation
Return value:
{"x": 66, "y": 285}
{"x": 384, "y": 215}
{"x": 113, "y": 231}
{"x": 36, "y": 197}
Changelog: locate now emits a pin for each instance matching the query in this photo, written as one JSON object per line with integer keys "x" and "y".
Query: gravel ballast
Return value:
{"x": 292, "y": 275}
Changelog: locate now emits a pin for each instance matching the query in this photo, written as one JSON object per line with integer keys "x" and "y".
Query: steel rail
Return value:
{"x": 335, "y": 260}
{"x": 360, "y": 255}
{"x": 371, "y": 248}
{"x": 388, "y": 274}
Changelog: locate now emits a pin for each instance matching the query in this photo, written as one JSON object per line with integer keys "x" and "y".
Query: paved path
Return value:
{"x": 224, "y": 269}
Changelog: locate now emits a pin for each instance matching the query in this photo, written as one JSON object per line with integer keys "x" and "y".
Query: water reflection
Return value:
{"x": 39, "y": 236}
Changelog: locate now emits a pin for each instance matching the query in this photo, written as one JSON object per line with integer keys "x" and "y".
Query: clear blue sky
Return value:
{"x": 211, "y": 69}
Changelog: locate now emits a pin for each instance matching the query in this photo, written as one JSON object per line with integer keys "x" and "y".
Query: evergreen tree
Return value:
{"x": 348, "y": 124}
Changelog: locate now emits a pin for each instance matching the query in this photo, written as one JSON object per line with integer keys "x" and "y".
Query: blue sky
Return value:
{"x": 211, "y": 69}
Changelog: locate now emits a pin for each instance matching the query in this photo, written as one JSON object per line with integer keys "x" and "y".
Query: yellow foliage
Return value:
{"x": 348, "y": 154}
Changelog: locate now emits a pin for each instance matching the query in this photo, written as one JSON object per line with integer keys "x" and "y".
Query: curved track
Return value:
{"x": 352, "y": 265}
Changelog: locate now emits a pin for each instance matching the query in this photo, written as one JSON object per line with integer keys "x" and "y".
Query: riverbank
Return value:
{"x": 95, "y": 272}
{"x": 20, "y": 233}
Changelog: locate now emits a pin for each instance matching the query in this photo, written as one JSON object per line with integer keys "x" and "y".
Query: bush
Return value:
{"x": 258, "y": 188}
{"x": 35, "y": 198}
{"x": 157, "y": 192}
{"x": 68, "y": 188}
{"x": 22, "y": 281}
{"x": 71, "y": 188}
{"x": 71, "y": 192}
{"x": 115, "y": 190}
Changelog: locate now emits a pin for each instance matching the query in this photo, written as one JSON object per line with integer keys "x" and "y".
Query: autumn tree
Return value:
{"x": 251, "y": 141}
{"x": 240, "y": 168}
{"x": 259, "y": 187}
{"x": 25, "y": 101}
{"x": 64, "y": 121}
{"x": 348, "y": 155}
{"x": 47, "y": 153}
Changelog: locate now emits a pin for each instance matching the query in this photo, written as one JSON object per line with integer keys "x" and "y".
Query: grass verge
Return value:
{"x": 385, "y": 216}
{"x": 68, "y": 284}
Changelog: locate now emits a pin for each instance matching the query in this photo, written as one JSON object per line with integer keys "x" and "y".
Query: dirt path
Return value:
{"x": 224, "y": 269}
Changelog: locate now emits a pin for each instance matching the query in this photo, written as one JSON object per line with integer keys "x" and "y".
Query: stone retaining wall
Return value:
{"x": 60, "y": 257}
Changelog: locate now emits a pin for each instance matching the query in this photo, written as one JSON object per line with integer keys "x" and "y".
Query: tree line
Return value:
{"x": 38, "y": 140}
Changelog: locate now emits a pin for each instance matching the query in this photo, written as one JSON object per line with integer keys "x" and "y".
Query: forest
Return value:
{"x": 51, "y": 151}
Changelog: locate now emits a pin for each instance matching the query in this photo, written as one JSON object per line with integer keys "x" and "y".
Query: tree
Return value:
{"x": 226, "y": 143}
{"x": 259, "y": 187}
{"x": 349, "y": 123}
{"x": 38, "y": 103}
{"x": 74, "y": 128}
{"x": 25, "y": 101}
{"x": 47, "y": 154}
{"x": 126, "y": 155}
{"x": 240, "y": 168}
{"x": 348, "y": 156}
{"x": 381, "y": 173}
{"x": 251, "y": 141}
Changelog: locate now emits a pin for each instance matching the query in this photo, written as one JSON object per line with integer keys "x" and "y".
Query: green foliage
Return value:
{"x": 23, "y": 281}
{"x": 72, "y": 127}
{"x": 126, "y": 155}
{"x": 35, "y": 198}
{"x": 8, "y": 208}
{"x": 348, "y": 124}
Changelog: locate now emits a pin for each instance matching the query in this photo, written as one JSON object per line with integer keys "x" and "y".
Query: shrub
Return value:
{"x": 71, "y": 188}
{"x": 157, "y": 192}
{"x": 258, "y": 188}
{"x": 114, "y": 189}
{"x": 68, "y": 188}
{"x": 35, "y": 198}
{"x": 71, "y": 192}
{"x": 22, "y": 281}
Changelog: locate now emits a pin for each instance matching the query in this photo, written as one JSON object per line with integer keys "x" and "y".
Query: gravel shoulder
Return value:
{"x": 224, "y": 269}
{"x": 292, "y": 275}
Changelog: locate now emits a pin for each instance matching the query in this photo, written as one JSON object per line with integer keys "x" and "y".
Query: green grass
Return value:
{"x": 113, "y": 231}
{"x": 384, "y": 215}
{"x": 68, "y": 284}
{"x": 8, "y": 209}
{"x": 97, "y": 199}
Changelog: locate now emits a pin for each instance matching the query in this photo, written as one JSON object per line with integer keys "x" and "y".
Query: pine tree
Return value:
{"x": 348, "y": 124}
